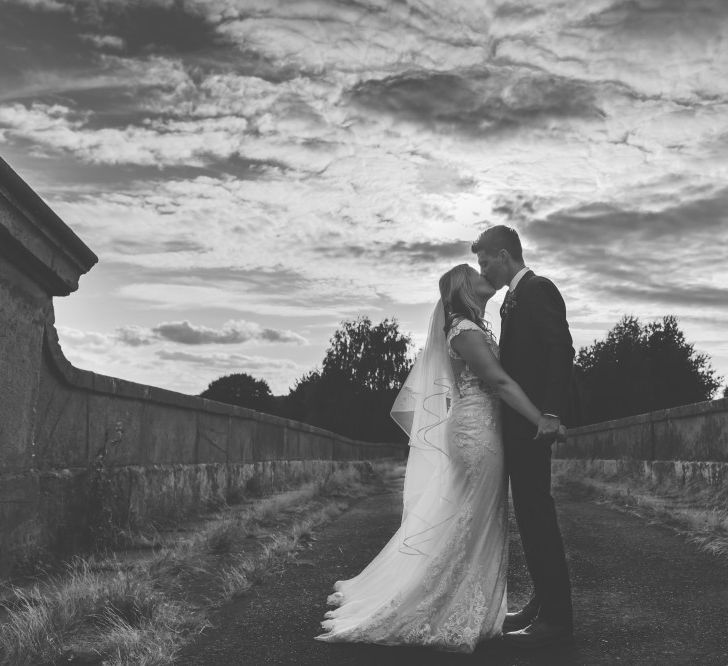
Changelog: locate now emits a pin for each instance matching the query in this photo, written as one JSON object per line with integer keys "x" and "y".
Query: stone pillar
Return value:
{"x": 40, "y": 257}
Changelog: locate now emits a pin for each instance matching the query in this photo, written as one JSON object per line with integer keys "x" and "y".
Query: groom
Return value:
{"x": 536, "y": 350}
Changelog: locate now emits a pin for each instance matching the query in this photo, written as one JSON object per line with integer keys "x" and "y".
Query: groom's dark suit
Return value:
{"x": 536, "y": 351}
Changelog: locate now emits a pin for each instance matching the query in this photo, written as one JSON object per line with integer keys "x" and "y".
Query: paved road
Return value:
{"x": 642, "y": 596}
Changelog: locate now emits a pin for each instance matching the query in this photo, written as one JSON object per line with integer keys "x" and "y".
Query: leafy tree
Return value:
{"x": 373, "y": 358}
{"x": 241, "y": 389}
{"x": 362, "y": 371}
{"x": 302, "y": 396}
{"x": 641, "y": 368}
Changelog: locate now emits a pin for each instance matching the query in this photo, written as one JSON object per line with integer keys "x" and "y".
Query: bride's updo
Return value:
{"x": 459, "y": 300}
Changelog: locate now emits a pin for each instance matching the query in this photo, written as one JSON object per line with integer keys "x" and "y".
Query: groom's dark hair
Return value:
{"x": 497, "y": 238}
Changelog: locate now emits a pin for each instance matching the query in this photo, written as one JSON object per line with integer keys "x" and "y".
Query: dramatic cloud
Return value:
{"x": 134, "y": 353}
{"x": 226, "y": 361}
{"x": 685, "y": 296}
{"x": 111, "y": 42}
{"x": 296, "y": 164}
{"x": 183, "y": 332}
{"x": 279, "y": 373}
{"x": 160, "y": 142}
{"x": 87, "y": 339}
{"x": 404, "y": 252}
{"x": 609, "y": 239}
{"x": 43, "y": 5}
{"x": 485, "y": 100}
{"x": 134, "y": 336}
{"x": 231, "y": 333}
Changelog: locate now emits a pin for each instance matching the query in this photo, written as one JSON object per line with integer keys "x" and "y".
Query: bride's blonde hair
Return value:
{"x": 458, "y": 297}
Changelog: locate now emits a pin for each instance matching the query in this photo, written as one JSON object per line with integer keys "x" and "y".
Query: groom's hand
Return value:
{"x": 548, "y": 428}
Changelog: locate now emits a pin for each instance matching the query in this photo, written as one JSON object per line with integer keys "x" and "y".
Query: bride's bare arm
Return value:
{"x": 475, "y": 351}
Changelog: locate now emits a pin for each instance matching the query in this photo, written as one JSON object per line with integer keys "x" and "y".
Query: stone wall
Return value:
{"x": 164, "y": 453}
{"x": 684, "y": 446}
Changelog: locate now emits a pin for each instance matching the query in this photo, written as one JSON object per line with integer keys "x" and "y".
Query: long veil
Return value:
{"x": 421, "y": 410}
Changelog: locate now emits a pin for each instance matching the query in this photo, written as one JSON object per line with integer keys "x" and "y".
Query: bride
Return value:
{"x": 441, "y": 579}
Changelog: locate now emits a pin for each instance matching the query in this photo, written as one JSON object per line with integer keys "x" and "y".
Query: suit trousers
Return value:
{"x": 528, "y": 463}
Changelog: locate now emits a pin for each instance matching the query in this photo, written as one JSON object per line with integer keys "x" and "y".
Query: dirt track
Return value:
{"x": 642, "y": 596}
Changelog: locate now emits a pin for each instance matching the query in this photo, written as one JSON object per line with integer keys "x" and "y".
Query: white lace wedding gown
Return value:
{"x": 448, "y": 590}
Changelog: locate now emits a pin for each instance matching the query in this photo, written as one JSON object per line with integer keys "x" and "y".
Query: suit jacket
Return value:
{"x": 536, "y": 350}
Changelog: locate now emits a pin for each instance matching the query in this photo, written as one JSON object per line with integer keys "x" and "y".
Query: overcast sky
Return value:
{"x": 250, "y": 173}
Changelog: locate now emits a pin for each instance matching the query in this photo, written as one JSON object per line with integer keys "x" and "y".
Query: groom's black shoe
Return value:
{"x": 519, "y": 620}
{"x": 540, "y": 634}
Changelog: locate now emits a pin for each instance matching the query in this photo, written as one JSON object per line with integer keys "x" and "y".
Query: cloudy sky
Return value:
{"x": 251, "y": 172}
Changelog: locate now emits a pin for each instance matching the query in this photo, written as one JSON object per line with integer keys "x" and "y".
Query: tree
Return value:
{"x": 299, "y": 401}
{"x": 241, "y": 389}
{"x": 362, "y": 371}
{"x": 641, "y": 368}
{"x": 371, "y": 358}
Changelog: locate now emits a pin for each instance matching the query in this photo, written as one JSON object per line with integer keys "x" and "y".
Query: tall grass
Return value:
{"x": 696, "y": 512}
{"x": 79, "y": 610}
{"x": 142, "y": 613}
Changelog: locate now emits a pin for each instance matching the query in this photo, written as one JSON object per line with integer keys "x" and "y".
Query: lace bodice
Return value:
{"x": 465, "y": 378}
{"x": 466, "y": 325}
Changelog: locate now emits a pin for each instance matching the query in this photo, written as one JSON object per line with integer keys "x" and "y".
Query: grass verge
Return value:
{"x": 140, "y": 606}
{"x": 697, "y": 513}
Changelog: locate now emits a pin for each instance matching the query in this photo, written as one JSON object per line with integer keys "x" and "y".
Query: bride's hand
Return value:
{"x": 547, "y": 428}
{"x": 561, "y": 437}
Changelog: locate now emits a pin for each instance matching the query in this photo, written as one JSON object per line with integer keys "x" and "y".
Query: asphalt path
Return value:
{"x": 642, "y": 596}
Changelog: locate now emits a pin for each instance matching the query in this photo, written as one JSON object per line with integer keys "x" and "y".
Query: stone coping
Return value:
{"x": 683, "y": 411}
{"x": 86, "y": 380}
{"x": 37, "y": 240}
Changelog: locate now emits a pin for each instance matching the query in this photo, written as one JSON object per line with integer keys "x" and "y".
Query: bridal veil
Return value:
{"x": 421, "y": 410}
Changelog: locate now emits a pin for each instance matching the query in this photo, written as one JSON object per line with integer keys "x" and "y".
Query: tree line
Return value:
{"x": 350, "y": 394}
{"x": 636, "y": 368}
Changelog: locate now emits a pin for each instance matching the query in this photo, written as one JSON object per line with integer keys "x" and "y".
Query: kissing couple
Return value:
{"x": 478, "y": 414}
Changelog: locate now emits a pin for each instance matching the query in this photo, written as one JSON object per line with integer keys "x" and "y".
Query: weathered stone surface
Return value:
{"x": 700, "y": 435}
{"x": 63, "y": 509}
{"x": 213, "y": 438}
{"x": 22, "y": 528}
{"x": 61, "y": 437}
{"x": 696, "y": 432}
{"x": 317, "y": 442}
{"x": 686, "y": 474}
{"x": 292, "y": 448}
{"x": 242, "y": 435}
{"x": 168, "y": 434}
{"x": 50, "y": 508}
{"x": 269, "y": 443}
{"x": 23, "y": 309}
{"x": 115, "y": 423}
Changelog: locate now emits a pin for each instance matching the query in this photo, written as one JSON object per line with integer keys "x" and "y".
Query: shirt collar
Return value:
{"x": 517, "y": 278}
